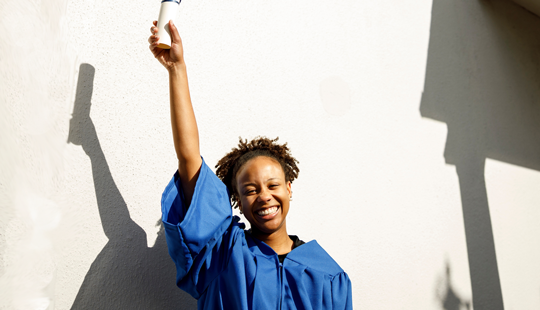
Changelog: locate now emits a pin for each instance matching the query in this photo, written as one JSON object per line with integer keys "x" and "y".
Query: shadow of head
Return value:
{"x": 448, "y": 298}
{"x": 83, "y": 102}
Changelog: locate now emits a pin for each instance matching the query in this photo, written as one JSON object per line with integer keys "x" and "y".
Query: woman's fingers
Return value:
{"x": 152, "y": 39}
{"x": 155, "y": 50}
{"x": 174, "y": 32}
{"x": 154, "y": 28}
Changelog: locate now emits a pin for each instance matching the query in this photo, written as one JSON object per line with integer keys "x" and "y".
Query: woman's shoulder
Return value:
{"x": 313, "y": 256}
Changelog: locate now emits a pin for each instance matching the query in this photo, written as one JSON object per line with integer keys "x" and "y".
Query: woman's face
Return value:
{"x": 263, "y": 194}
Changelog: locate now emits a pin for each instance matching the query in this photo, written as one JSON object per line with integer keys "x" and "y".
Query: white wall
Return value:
{"x": 383, "y": 102}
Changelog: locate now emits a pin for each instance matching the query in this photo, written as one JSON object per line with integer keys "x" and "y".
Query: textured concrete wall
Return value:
{"x": 416, "y": 123}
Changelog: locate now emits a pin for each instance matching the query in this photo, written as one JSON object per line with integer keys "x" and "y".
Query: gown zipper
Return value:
{"x": 280, "y": 285}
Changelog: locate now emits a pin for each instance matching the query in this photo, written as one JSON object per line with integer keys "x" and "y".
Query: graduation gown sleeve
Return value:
{"x": 197, "y": 236}
{"x": 341, "y": 292}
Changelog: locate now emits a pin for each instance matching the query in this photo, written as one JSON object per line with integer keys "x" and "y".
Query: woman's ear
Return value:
{"x": 289, "y": 189}
{"x": 239, "y": 204}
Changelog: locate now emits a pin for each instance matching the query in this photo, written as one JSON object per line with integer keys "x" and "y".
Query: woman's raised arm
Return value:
{"x": 184, "y": 125}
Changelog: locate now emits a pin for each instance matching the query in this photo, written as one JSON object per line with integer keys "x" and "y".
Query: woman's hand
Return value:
{"x": 169, "y": 58}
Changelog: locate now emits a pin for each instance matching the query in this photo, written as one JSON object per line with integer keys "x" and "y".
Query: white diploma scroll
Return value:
{"x": 168, "y": 11}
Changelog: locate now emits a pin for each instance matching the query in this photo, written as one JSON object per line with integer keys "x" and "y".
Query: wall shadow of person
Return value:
{"x": 448, "y": 298}
{"x": 483, "y": 80}
{"x": 126, "y": 274}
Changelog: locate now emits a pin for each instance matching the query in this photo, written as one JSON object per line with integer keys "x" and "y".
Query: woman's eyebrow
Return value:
{"x": 254, "y": 184}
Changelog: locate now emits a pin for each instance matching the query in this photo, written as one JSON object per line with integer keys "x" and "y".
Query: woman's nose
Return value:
{"x": 264, "y": 196}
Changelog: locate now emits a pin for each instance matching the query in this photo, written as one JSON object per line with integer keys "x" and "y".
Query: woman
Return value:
{"x": 219, "y": 263}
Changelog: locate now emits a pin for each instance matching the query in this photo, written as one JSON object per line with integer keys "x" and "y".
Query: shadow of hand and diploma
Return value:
{"x": 127, "y": 274}
{"x": 483, "y": 81}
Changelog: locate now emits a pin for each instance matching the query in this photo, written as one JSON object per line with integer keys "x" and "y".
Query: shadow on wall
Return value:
{"x": 446, "y": 294}
{"x": 483, "y": 81}
{"x": 127, "y": 274}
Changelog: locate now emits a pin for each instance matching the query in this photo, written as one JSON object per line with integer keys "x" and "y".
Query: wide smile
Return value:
{"x": 267, "y": 213}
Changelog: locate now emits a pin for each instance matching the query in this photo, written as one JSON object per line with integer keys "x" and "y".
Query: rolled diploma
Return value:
{"x": 166, "y": 13}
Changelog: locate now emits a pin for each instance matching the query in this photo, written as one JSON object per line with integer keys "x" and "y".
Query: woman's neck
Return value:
{"x": 279, "y": 240}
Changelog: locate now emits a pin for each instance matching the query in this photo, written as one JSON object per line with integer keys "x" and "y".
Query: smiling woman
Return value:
{"x": 218, "y": 262}
{"x": 255, "y": 175}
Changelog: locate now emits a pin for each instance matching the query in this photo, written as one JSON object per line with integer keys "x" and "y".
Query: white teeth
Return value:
{"x": 267, "y": 211}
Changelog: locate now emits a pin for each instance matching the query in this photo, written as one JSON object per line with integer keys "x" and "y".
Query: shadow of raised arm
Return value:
{"x": 113, "y": 210}
{"x": 126, "y": 274}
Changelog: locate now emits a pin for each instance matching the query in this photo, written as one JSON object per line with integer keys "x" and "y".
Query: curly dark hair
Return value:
{"x": 228, "y": 166}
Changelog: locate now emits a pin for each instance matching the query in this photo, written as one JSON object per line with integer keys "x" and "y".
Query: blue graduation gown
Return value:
{"x": 224, "y": 267}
